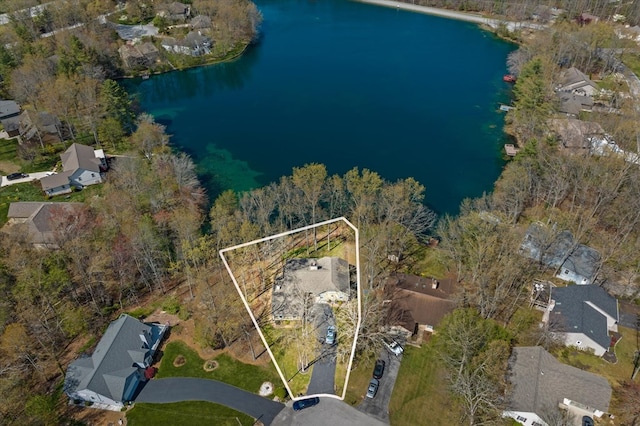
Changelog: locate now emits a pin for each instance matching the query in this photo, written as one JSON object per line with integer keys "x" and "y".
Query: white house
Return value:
{"x": 81, "y": 166}
{"x": 584, "y": 314}
{"x": 541, "y": 385}
{"x": 325, "y": 279}
{"x": 111, "y": 375}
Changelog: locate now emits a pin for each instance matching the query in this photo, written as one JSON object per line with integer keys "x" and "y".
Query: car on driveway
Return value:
{"x": 378, "y": 371}
{"x": 373, "y": 388}
{"x": 14, "y": 176}
{"x": 394, "y": 347}
{"x": 301, "y": 404}
{"x": 587, "y": 421}
{"x": 331, "y": 335}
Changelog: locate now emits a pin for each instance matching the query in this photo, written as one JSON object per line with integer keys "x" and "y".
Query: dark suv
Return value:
{"x": 305, "y": 403}
{"x": 379, "y": 369}
{"x": 14, "y": 176}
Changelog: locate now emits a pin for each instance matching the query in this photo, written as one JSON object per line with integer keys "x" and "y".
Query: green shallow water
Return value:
{"x": 345, "y": 84}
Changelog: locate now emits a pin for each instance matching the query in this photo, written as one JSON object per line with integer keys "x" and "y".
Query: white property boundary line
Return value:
{"x": 255, "y": 322}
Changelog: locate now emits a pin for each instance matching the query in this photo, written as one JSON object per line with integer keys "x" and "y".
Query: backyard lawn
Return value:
{"x": 193, "y": 413}
{"x": 420, "y": 392}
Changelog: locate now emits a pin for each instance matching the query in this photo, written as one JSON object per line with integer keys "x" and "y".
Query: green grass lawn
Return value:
{"x": 359, "y": 381}
{"x": 420, "y": 395}
{"x": 231, "y": 371}
{"x": 193, "y": 413}
{"x": 633, "y": 62}
{"x": 615, "y": 373}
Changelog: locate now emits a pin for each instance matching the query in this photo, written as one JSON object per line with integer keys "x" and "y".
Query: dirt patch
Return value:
{"x": 179, "y": 361}
{"x": 8, "y": 167}
{"x": 95, "y": 417}
{"x": 210, "y": 365}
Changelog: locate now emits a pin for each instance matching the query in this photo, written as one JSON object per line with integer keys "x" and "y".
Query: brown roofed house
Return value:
{"x": 419, "y": 303}
{"x": 38, "y": 223}
{"x": 575, "y": 134}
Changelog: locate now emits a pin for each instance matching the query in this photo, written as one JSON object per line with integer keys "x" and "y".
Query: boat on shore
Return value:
{"x": 509, "y": 78}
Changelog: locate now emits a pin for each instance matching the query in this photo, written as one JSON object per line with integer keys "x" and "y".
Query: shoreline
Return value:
{"x": 452, "y": 14}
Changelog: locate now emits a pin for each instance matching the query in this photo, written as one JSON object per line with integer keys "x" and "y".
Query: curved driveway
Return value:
{"x": 176, "y": 389}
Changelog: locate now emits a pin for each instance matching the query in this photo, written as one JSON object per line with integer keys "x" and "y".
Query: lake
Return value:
{"x": 345, "y": 84}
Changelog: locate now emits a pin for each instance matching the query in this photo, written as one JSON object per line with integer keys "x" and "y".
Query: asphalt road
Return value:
{"x": 176, "y": 389}
{"x": 378, "y": 406}
{"x": 329, "y": 411}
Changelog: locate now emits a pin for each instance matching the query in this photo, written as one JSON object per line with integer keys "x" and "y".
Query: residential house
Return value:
{"x": 574, "y": 134}
{"x": 572, "y": 104}
{"x": 542, "y": 385}
{"x": 200, "y": 22}
{"x": 110, "y": 377}
{"x": 8, "y": 109}
{"x": 584, "y": 314}
{"x": 174, "y": 11}
{"x": 193, "y": 44}
{"x": 326, "y": 279}
{"x": 41, "y": 127}
{"x": 575, "y": 81}
{"x": 139, "y": 56}
{"x": 419, "y": 303}
{"x": 574, "y": 262}
{"x": 81, "y": 166}
{"x": 38, "y": 223}
{"x": 545, "y": 14}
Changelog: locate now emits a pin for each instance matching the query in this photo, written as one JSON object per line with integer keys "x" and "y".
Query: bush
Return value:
{"x": 281, "y": 393}
{"x": 171, "y": 305}
{"x": 141, "y": 312}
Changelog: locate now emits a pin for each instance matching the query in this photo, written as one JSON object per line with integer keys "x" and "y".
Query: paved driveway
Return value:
{"x": 379, "y": 405}
{"x": 176, "y": 389}
{"x": 32, "y": 176}
{"x": 324, "y": 369}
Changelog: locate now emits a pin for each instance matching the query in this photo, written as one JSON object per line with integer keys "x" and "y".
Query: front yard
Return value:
{"x": 193, "y": 413}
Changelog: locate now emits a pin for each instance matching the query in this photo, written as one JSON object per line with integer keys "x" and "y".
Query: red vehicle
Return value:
{"x": 509, "y": 78}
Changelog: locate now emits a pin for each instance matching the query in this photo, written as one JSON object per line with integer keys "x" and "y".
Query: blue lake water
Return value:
{"x": 345, "y": 84}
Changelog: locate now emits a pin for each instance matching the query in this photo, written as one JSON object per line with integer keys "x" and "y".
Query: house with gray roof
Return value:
{"x": 37, "y": 223}
{"x": 81, "y": 166}
{"x": 327, "y": 280}
{"x": 8, "y": 109}
{"x": 193, "y": 44}
{"x": 574, "y": 262}
{"x": 174, "y": 11}
{"x": 541, "y": 385}
{"x": 584, "y": 314}
{"x": 575, "y": 81}
{"x": 111, "y": 375}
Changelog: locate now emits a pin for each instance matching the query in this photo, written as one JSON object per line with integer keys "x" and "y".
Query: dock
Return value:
{"x": 511, "y": 150}
{"x": 505, "y": 107}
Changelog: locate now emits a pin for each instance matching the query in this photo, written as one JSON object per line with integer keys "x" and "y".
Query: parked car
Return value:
{"x": 14, "y": 176}
{"x": 379, "y": 369}
{"x": 394, "y": 347}
{"x": 331, "y": 335}
{"x": 587, "y": 421}
{"x": 373, "y": 388}
{"x": 301, "y": 404}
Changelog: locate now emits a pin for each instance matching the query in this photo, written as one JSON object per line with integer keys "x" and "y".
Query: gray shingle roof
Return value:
{"x": 541, "y": 244}
{"x": 540, "y": 382}
{"x": 576, "y": 314}
{"x": 112, "y": 364}
{"x": 79, "y": 156}
{"x": 8, "y": 108}
{"x": 40, "y": 219}
{"x": 56, "y": 180}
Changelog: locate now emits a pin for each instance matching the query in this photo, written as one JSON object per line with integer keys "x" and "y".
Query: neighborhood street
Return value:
{"x": 176, "y": 389}
{"x": 329, "y": 411}
{"x": 379, "y": 405}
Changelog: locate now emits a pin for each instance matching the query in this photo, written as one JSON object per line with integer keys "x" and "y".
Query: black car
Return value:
{"x": 379, "y": 369}
{"x": 305, "y": 403}
{"x": 14, "y": 176}
{"x": 587, "y": 421}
